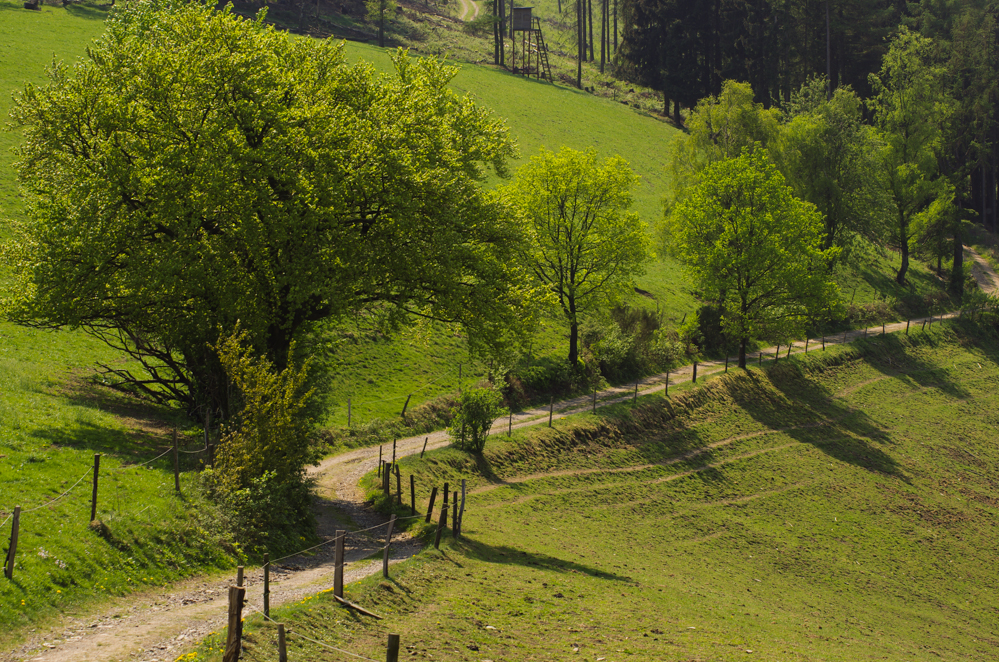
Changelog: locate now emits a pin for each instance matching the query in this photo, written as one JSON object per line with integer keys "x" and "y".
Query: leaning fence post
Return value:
{"x": 454, "y": 516}
{"x": 392, "y": 652}
{"x": 232, "y": 642}
{"x": 338, "y": 563}
{"x": 923, "y": 327}
{"x": 777, "y": 354}
{"x": 379, "y": 460}
{"x": 176, "y": 463}
{"x": 430, "y": 508}
{"x": 551, "y": 410}
{"x": 93, "y": 498}
{"x": 907, "y": 326}
{"x": 388, "y": 543}
{"x": 267, "y": 585}
{"x": 806, "y": 344}
{"x": 789, "y": 348}
{"x": 726, "y": 361}
{"x": 406, "y": 405}
{"x": 15, "y": 526}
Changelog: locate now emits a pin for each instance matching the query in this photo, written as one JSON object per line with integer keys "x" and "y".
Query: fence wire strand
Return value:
{"x": 49, "y": 503}
{"x": 291, "y": 633}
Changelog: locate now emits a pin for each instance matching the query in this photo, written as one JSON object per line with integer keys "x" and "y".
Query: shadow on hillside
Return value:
{"x": 503, "y": 554}
{"x": 892, "y": 356}
{"x": 807, "y": 412}
{"x": 87, "y": 11}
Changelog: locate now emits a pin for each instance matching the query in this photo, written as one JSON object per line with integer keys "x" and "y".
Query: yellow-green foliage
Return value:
{"x": 271, "y": 433}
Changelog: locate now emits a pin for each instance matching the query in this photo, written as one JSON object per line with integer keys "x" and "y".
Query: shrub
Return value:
{"x": 476, "y": 411}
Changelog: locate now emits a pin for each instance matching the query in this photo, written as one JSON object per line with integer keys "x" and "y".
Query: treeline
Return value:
{"x": 687, "y": 50}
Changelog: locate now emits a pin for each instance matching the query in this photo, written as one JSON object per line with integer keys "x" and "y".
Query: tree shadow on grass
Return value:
{"x": 87, "y": 11}
{"x": 506, "y": 555}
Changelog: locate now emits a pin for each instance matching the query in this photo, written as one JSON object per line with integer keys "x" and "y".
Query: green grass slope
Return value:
{"x": 836, "y": 507}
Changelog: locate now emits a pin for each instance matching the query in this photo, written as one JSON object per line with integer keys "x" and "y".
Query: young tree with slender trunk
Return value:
{"x": 585, "y": 246}
{"x": 911, "y": 109}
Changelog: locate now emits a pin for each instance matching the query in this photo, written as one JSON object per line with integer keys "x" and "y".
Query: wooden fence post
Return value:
{"x": 594, "y": 401}
{"x": 907, "y": 326}
{"x": 882, "y": 328}
{"x": 282, "y": 645}
{"x": 923, "y": 328}
{"x": 454, "y": 516}
{"x": 398, "y": 483}
{"x": 823, "y": 343}
{"x": 759, "y": 358}
{"x": 412, "y": 492}
{"x": 380, "y": 460}
{"x": 232, "y": 642}
{"x": 551, "y": 410}
{"x": 695, "y": 373}
{"x": 406, "y": 405}
{"x": 442, "y": 522}
{"x": 430, "y": 508}
{"x": 425, "y": 440}
{"x": 393, "y": 450}
{"x": 176, "y": 463}
{"x": 789, "y": 348}
{"x": 392, "y": 652}
{"x": 267, "y": 585}
{"x": 635, "y": 399}
{"x": 93, "y": 498}
{"x": 239, "y": 627}
{"x": 777, "y": 355}
{"x": 509, "y": 428}
{"x": 348, "y": 427}
{"x": 461, "y": 511}
{"x": 15, "y": 527}
{"x": 806, "y": 344}
{"x": 667, "y": 383}
{"x": 388, "y": 542}
{"x": 726, "y": 361}
{"x": 338, "y": 563}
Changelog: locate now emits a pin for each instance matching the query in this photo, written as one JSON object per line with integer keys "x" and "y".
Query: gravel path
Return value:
{"x": 159, "y": 626}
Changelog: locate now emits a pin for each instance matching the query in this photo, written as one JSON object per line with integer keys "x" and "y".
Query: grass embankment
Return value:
{"x": 837, "y": 507}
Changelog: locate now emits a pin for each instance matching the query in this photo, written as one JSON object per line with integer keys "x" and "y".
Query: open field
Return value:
{"x": 836, "y": 507}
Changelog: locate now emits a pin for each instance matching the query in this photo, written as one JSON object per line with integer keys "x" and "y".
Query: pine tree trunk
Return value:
{"x": 589, "y": 12}
{"x": 580, "y": 44}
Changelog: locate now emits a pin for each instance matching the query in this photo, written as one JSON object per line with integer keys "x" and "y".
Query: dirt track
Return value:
{"x": 159, "y": 626}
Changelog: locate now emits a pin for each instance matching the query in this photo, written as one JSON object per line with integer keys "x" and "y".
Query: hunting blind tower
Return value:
{"x": 533, "y": 51}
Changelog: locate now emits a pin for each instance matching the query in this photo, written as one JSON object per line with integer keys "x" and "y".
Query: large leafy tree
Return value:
{"x": 585, "y": 247}
{"x": 200, "y": 169}
{"x": 753, "y": 248}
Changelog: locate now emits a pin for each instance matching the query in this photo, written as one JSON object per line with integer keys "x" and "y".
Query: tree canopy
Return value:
{"x": 585, "y": 246}
{"x": 200, "y": 169}
{"x": 753, "y": 248}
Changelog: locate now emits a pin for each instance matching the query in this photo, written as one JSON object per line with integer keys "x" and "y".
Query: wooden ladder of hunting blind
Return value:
{"x": 544, "y": 69}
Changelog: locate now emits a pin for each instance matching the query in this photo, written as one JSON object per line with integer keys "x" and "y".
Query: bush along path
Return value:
{"x": 157, "y": 626}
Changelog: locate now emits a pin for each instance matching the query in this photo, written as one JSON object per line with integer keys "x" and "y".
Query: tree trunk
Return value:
{"x": 956, "y": 285}
{"x": 603, "y": 33}
{"x": 742, "y": 353}
{"x": 496, "y": 34}
{"x": 589, "y": 5}
{"x": 580, "y": 44}
{"x": 900, "y": 278}
{"x": 573, "y": 343}
{"x": 615, "y": 27}
{"x": 676, "y": 112}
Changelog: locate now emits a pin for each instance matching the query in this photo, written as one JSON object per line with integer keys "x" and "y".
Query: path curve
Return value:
{"x": 158, "y": 626}
{"x": 466, "y": 7}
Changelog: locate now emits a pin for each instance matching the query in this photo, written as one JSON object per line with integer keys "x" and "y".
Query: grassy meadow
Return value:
{"x": 835, "y": 507}
{"x": 54, "y": 417}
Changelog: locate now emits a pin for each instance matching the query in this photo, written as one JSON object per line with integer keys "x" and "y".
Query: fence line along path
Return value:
{"x": 157, "y": 625}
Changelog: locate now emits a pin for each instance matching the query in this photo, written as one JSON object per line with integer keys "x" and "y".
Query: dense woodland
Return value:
{"x": 686, "y": 50}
